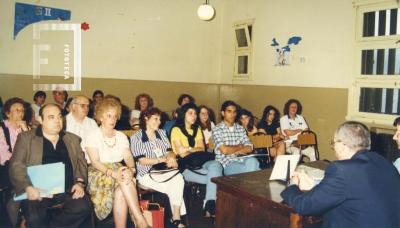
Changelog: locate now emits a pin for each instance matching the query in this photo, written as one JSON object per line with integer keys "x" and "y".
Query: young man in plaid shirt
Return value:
{"x": 231, "y": 140}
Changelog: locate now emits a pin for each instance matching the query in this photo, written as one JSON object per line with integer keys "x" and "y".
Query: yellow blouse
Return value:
{"x": 176, "y": 134}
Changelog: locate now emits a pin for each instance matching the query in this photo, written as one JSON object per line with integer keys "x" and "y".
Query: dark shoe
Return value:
{"x": 209, "y": 208}
{"x": 177, "y": 223}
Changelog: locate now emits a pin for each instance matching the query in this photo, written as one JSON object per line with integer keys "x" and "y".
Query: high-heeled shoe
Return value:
{"x": 209, "y": 209}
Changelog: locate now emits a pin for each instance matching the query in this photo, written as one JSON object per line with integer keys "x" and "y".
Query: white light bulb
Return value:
{"x": 205, "y": 12}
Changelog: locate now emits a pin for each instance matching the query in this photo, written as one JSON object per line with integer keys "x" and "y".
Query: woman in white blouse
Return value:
{"x": 112, "y": 185}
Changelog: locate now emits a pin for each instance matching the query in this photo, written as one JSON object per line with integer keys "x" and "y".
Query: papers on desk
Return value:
{"x": 49, "y": 177}
{"x": 280, "y": 170}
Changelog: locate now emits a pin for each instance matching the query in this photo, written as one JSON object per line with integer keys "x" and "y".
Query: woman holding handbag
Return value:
{"x": 187, "y": 141}
{"x": 150, "y": 146}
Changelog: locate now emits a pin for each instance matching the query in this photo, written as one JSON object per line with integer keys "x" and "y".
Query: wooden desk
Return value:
{"x": 250, "y": 200}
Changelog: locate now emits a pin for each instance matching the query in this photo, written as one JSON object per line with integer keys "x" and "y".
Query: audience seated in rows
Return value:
{"x": 111, "y": 162}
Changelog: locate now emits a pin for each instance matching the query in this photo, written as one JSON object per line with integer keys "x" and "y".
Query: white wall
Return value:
{"x": 133, "y": 39}
{"x": 165, "y": 41}
{"x": 327, "y": 45}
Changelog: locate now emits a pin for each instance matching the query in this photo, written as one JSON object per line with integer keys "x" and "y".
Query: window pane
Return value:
{"x": 250, "y": 27}
{"x": 380, "y": 61}
{"x": 369, "y": 24}
{"x": 380, "y": 23}
{"x": 241, "y": 37}
{"x": 242, "y": 64}
{"x": 378, "y": 100}
{"x": 393, "y": 21}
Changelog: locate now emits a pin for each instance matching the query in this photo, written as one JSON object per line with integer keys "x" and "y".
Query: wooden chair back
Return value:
{"x": 261, "y": 141}
{"x": 307, "y": 138}
{"x": 129, "y": 133}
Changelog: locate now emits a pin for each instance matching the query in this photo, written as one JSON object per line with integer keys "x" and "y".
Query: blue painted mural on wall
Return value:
{"x": 282, "y": 53}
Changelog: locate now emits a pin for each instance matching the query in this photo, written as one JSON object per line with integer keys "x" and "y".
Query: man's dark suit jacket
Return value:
{"x": 28, "y": 151}
{"x": 363, "y": 191}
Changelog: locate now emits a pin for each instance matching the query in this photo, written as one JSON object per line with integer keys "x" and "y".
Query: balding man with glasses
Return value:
{"x": 77, "y": 121}
{"x": 361, "y": 189}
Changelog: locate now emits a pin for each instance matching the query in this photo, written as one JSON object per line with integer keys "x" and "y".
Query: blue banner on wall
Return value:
{"x": 26, "y": 14}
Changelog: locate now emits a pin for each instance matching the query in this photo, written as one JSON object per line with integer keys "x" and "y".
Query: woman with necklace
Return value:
{"x": 112, "y": 185}
{"x": 151, "y": 146}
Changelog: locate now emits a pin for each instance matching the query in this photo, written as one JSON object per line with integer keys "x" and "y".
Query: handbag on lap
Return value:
{"x": 194, "y": 161}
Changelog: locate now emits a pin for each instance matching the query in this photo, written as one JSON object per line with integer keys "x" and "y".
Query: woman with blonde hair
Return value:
{"x": 112, "y": 186}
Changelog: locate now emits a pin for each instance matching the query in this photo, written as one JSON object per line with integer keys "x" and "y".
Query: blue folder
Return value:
{"x": 49, "y": 177}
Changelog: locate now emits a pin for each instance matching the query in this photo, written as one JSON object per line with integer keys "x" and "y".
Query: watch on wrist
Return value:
{"x": 80, "y": 182}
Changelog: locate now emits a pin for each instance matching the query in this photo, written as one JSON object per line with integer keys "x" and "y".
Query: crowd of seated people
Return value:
{"x": 110, "y": 158}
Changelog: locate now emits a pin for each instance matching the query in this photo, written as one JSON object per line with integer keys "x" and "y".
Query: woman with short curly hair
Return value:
{"x": 112, "y": 185}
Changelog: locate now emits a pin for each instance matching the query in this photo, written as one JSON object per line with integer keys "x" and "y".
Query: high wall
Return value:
{"x": 162, "y": 48}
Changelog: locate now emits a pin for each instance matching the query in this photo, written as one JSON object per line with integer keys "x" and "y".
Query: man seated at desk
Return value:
{"x": 360, "y": 190}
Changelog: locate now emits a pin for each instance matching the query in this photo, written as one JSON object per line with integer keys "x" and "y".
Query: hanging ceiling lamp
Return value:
{"x": 205, "y": 12}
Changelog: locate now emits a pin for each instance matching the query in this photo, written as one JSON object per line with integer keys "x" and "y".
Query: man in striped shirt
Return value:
{"x": 231, "y": 140}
